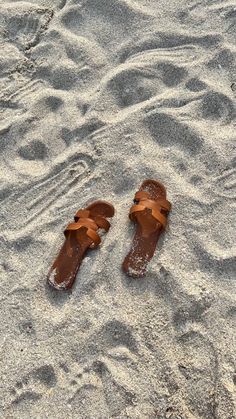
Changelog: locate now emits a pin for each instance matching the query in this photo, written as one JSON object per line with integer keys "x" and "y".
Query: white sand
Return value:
{"x": 96, "y": 96}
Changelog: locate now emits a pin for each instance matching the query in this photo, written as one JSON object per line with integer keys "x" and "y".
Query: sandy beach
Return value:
{"x": 95, "y": 97}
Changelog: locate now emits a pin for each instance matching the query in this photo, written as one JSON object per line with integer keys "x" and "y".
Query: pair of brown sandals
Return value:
{"x": 149, "y": 211}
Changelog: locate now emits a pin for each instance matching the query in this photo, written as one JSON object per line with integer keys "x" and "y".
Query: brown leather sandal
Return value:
{"x": 80, "y": 235}
{"x": 150, "y": 213}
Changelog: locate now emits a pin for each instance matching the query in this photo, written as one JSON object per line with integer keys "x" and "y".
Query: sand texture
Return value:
{"x": 95, "y": 97}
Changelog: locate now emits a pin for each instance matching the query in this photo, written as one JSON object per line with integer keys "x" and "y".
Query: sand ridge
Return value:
{"x": 96, "y": 96}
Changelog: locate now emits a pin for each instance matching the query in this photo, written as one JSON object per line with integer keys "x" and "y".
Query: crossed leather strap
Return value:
{"x": 142, "y": 202}
{"x": 84, "y": 219}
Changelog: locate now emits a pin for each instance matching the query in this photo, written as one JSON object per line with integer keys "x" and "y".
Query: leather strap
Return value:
{"x": 156, "y": 207}
{"x": 161, "y": 218}
{"x": 83, "y": 222}
{"x": 164, "y": 204}
{"x": 82, "y": 219}
{"x": 143, "y": 195}
{"x": 94, "y": 236}
{"x": 91, "y": 228}
{"x": 140, "y": 195}
{"x": 82, "y": 213}
{"x": 102, "y": 222}
{"x": 99, "y": 220}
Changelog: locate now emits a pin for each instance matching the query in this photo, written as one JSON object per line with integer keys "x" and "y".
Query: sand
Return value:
{"x": 95, "y": 97}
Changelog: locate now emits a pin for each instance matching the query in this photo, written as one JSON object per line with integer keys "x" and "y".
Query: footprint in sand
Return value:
{"x": 32, "y": 386}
